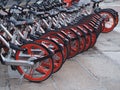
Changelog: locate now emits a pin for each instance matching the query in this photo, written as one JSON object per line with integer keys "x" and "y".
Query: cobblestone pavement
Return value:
{"x": 96, "y": 69}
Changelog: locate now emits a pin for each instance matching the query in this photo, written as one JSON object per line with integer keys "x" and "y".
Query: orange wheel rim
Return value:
{"x": 74, "y": 45}
{"x": 57, "y": 57}
{"x": 42, "y": 71}
{"x": 109, "y": 22}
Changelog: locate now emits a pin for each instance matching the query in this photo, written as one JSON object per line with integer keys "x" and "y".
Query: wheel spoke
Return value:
{"x": 45, "y": 64}
{"x": 31, "y": 72}
{"x": 42, "y": 70}
{"x": 56, "y": 65}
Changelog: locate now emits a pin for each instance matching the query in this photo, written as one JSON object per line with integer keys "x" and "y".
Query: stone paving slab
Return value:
{"x": 114, "y": 56}
{"x": 99, "y": 66}
{"x": 73, "y": 77}
{"x": 111, "y": 39}
{"x": 25, "y": 85}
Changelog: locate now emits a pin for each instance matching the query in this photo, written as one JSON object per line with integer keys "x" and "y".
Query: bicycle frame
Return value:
{"x": 8, "y": 60}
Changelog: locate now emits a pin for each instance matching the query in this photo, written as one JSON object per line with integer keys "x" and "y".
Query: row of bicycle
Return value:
{"x": 36, "y": 40}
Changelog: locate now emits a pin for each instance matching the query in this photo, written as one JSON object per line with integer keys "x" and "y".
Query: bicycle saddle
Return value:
{"x": 20, "y": 23}
{"x": 97, "y": 1}
{"x": 2, "y": 16}
{"x": 36, "y": 13}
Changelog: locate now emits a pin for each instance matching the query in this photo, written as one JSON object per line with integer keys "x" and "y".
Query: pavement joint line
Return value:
{"x": 8, "y": 85}
{"x": 54, "y": 83}
{"x": 91, "y": 74}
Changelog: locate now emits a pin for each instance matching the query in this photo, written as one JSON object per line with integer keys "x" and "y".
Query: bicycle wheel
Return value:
{"x": 48, "y": 34}
{"x": 93, "y": 34}
{"x": 109, "y": 21}
{"x": 57, "y": 57}
{"x": 41, "y": 70}
{"x": 82, "y": 44}
{"x": 74, "y": 42}
{"x": 82, "y": 40}
{"x": 97, "y": 28}
{"x": 88, "y": 37}
{"x": 61, "y": 43}
{"x": 94, "y": 38}
{"x": 66, "y": 41}
{"x": 113, "y": 12}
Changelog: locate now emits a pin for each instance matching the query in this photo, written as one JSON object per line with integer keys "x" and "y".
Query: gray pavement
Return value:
{"x": 96, "y": 69}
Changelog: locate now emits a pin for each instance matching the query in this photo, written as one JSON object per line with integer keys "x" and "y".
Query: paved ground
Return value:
{"x": 96, "y": 69}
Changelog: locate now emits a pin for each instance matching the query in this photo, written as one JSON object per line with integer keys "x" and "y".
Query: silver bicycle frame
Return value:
{"x": 8, "y": 60}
